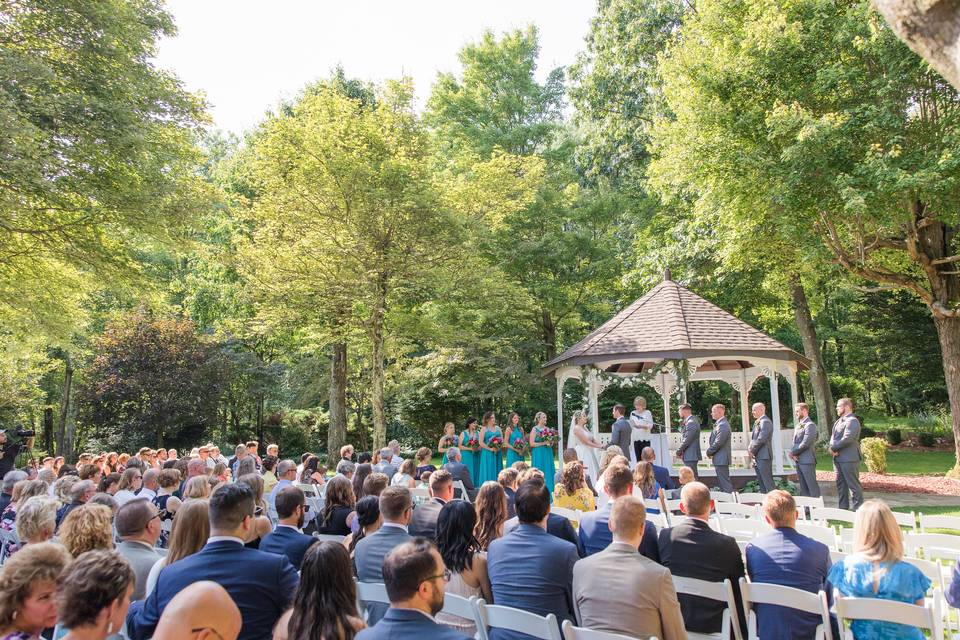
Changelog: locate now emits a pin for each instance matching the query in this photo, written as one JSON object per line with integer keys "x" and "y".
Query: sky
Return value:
{"x": 247, "y": 55}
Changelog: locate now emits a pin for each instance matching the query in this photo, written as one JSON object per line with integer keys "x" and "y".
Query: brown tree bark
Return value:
{"x": 377, "y": 374}
{"x": 64, "y": 428}
{"x": 549, "y": 330}
{"x": 931, "y": 28}
{"x": 948, "y": 330}
{"x": 337, "y": 432}
{"x": 826, "y": 413}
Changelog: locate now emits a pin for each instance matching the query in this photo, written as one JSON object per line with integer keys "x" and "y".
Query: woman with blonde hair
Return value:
{"x": 191, "y": 528}
{"x": 87, "y": 528}
{"x": 423, "y": 462}
{"x": 572, "y": 492}
{"x": 541, "y": 450}
{"x": 28, "y": 586}
{"x": 649, "y": 488}
{"x": 491, "y": 506}
{"x": 876, "y": 569}
{"x": 197, "y": 488}
{"x": 130, "y": 482}
{"x": 261, "y": 523}
{"x": 404, "y": 475}
{"x": 36, "y": 520}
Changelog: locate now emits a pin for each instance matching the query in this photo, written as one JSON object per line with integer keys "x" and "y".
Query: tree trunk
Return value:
{"x": 549, "y": 331}
{"x": 48, "y": 430}
{"x": 337, "y": 433}
{"x": 377, "y": 376}
{"x": 260, "y": 402}
{"x": 65, "y": 439}
{"x": 948, "y": 330}
{"x": 931, "y": 28}
{"x": 811, "y": 348}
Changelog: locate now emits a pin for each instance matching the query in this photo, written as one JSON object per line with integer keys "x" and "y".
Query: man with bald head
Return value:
{"x": 202, "y": 611}
{"x": 761, "y": 447}
{"x": 692, "y": 549}
{"x": 138, "y": 525}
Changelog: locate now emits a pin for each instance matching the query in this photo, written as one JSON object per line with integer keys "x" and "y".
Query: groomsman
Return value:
{"x": 720, "y": 447}
{"x": 761, "y": 449}
{"x": 803, "y": 452}
{"x": 845, "y": 449}
{"x": 689, "y": 449}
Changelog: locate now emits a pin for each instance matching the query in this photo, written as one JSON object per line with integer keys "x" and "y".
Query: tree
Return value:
{"x": 854, "y": 143}
{"x": 930, "y": 29}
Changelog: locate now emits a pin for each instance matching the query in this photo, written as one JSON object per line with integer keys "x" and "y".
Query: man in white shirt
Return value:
{"x": 395, "y": 459}
{"x": 150, "y": 482}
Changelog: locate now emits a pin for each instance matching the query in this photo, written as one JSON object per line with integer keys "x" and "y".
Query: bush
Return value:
{"x": 927, "y": 439}
{"x": 867, "y": 432}
{"x": 894, "y": 437}
{"x": 874, "y": 452}
{"x": 790, "y": 487}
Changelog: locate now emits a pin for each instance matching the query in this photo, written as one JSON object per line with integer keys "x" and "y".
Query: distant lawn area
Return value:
{"x": 905, "y": 462}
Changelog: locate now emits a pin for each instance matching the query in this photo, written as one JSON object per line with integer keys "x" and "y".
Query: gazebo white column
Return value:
{"x": 744, "y": 402}
{"x": 593, "y": 397}
{"x": 560, "y": 380}
{"x": 775, "y": 409}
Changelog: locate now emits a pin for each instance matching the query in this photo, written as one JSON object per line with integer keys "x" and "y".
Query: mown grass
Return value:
{"x": 905, "y": 462}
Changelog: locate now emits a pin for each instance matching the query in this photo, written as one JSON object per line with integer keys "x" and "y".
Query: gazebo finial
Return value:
{"x": 666, "y": 275}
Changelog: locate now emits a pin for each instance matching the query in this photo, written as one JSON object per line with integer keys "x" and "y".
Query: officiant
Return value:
{"x": 641, "y": 422}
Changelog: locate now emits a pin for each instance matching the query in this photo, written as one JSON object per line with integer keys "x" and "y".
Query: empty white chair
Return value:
{"x": 806, "y": 502}
{"x": 744, "y": 529}
{"x": 850, "y": 609}
{"x": 932, "y": 546}
{"x": 719, "y": 591}
{"x": 659, "y": 520}
{"x": 570, "y": 514}
{"x": 329, "y": 536}
{"x": 820, "y": 533}
{"x": 824, "y": 514}
{"x": 653, "y": 503}
{"x": 751, "y": 498}
{"x": 760, "y": 593}
{"x": 939, "y": 522}
{"x": 571, "y": 632}
{"x": 734, "y": 510}
{"x": 722, "y": 496}
{"x": 458, "y": 484}
{"x": 500, "y": 617}
{"x": 673, "y": 505}
{"x": 907, "y": 520}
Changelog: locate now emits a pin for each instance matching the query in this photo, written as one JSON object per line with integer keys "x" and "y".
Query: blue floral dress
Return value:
{"x": 901, "y": 582}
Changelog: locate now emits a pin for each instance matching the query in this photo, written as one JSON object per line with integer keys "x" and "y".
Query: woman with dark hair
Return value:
{"x": 312, "y": 473}
{"x": 325, "y": 604}
{"x": 367, "y": 521}
{"x": 338, "y": 505}
{"x": 462, "y": 556}
{"x": 109, "y": 483}
{"x": 514, "y": 439}
{"x": 492, "y": 512}
{"x": 361, "y": 473}
{"x": 94, "y": 595}
{"x": 364, "y": 458}
{"x": 470, "y": 448}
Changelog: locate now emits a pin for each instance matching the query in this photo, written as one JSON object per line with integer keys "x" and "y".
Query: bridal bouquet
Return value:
{"x": 496, "y": 441}
{"x": 449, "y": 441}
{"x": 549, "y": 436}
{"x": 520, "y": 445}
{"x": 473, "y": 443}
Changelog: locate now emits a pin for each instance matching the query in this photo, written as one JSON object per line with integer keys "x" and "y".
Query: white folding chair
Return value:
{"x": 329, "y": 537}
{"x": 761, "y": 593}
{"x": 653, "y": 503}
{"x": 419, "y": 495}
{"x": 744, "y": 529}
{"x": 908, "y": 520}
{"x": 806, "y": 502}
{"x": 722, "y": 496}
{"x": 672, "y": 505}
{"x": 837, "y": 556}
{"x": 820, "y": 533}
{"x": 734, "y": 510}
{"x": 459, "y": 606}
{"x": 570, "y": 514}
{"x": 933, "y": 546}
{"x": 307, "y": 488}
{"x": 571, "y": 632}
{"x": 849, "y": 609}
{"x": 659, "y": 520}
{"x": 370, "y": 592}
{"x": 939, "y": 522}
{"x": 458, "y": 484}
{"x": 824, "y": 514}
{"x": 719, "y": 591}
{"x": 500, "y": 617}
{"x": 751, "y": 498}
{"x": 934, "y": 571}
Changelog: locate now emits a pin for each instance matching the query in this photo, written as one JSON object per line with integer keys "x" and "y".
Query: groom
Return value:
{"x": 622, "y": 432}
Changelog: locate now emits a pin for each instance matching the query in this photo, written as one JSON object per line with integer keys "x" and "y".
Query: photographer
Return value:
{"x": 10, "y": 450}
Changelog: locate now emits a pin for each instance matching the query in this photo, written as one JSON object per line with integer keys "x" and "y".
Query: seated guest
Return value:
{"x": 93, "y": 595}
{"x": 36, "y": 520}
{"x": 647, "y": 486}
{"x": 507, "y": 479}
{"x": 594, "y": 530}
{"x": 572, "y": 492}
{"x": 196, "y": 488}
{"x": 346, "y": 452}
{"x": 953, "y": 591}
{"x": 557, "y": 525}
{"x": 269, "y": 477}
{"x": 88, "y": 528}
{"x": 491, "y": 508}
{"x": 261, "y": 584}
{"x": 167, "y": 503}
{"x": 325, "y": 605}
{"x": 374, "y": 484}
{"x": 571, "y": 455}
{"x": 660, "y": 474}
{"x": 692, "y": 549}
{"x": 151, "y": 483}
{"x": 790, "y": 559}
{"x": 415, "y": 579}
{"x": 652, "y": 608}
{"x": 459, "y": 471}
{"x": 138, "y": 525}
{"x": 288, "y": 538}
{"x": 106, "y": 500}
{"x": 423, "y": 462}
{"x": 346, "y": 469}
{"x": 338, "y": 505}
{"x": 80, "y": 492}
{"x": 529, "y": 568}
{"x": 10, "y": 479}
{"x": 462, "y": 555}
{"x": 191, "y": 528}
{"x": 611, "y": 455}
{"x": 129, "y": 484}
{"x": 368, "y": 556}
{"x": 404, "y": 477}
{"x": 423, "y": 523}
{"x": 27, "y": 587}
{"x": 313, "y": 472}
{"x": 876, "y": 569}
{"x": 385, "y": 466}
{"x": 359, "y": 475}
{"x": 368, "y": 520}
{"x": 286, "y": 476}
{"x": 202, "y": 610}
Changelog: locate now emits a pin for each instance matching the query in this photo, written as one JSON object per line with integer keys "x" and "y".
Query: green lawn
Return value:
{"x": 907, "y": 463}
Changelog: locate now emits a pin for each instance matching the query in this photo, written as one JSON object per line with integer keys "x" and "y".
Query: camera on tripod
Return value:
{"x": 24, "y": 433}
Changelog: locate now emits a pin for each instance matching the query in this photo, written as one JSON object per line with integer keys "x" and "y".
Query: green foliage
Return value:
{"x": 874, "y": 452}
{"x": 893, "y": 437}
{"x": 753, "y": 486}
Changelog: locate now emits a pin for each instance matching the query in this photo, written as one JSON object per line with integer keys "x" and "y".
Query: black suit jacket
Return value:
{"x": 423, "y": 522}
{"x": 460, "y": 472}
{"x": 693, "y": 550}
{"x": 556, "y": 526}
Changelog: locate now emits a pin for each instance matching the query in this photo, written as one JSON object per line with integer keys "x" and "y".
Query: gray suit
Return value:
{"x": 368, "y": 561}
{"x": 845, "y": 440}
{"x": 622, "y": 435}
{"x": 804, "y": 440}
{"x": 720, "y": 451}
{"x": 385, "y": 468}
{"x": 761, "y": 443}
{"x": 689, "y": 449}
{"x": 141, "y": 557}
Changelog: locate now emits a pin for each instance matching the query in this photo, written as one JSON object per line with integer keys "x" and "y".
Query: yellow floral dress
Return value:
{"x": 581, "y": 500}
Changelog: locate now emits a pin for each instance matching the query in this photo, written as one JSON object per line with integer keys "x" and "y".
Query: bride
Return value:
{"x": 585, "y": 444}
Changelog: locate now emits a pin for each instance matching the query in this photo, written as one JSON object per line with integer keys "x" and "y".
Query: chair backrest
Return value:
{"x": 372, "y": 592}
{"x": 751, "y": 498}
{"x": 460, "y": 606}
{"x": 329, "y": 536}
{"x": 458, "y": 484}
{"x": 890, "y": 611}
{"x": 722, "y": 496}
{"x": 659, "y": 520}
{"x": 820, "y": 533}
{"x": 939, "y": 522}
{"x": 823, "y": 514}
{"x": 719, "y": 591}
{"x": 673, "y": 505}
{"x": 418, "y": 493}
{"x": 933, "y": 545}
{"x": 744, "y": 529}
{"x": 807, "y": 501}
{"x": 738, "y": 510}
{"x": 308, "y": 489}
{"x": 908, "y": 520}
{"x": 571, "y": 632}
{"x": 837, "y": 556}
{"x": 653, "y": 503}
{"x": 569, "y": 514}
{"x": 930, "y": 568}
{"x": 500, "y": 617}
{"x": 761, "y": 593}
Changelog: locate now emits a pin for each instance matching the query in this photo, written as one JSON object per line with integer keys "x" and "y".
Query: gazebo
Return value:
{"x": 668, "y": 338}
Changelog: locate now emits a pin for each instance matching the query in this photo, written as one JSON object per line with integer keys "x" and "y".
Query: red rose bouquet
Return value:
{"x": 496, "y": 441}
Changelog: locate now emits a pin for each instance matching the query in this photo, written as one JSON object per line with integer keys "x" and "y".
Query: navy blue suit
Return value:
{"x": 662, "y": 476}
{"x": 531, "y": 570}
{"x": 289, "y": 542}
{"x": 790, "y": 559}
{"x": 557, "y": 525}
{"x": 261, "y": 584}
{"x": 595, "y": 534}
{"x": 401, "y": 624}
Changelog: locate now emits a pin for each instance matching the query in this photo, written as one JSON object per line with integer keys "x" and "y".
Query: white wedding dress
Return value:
{"x": 587, "y": 455}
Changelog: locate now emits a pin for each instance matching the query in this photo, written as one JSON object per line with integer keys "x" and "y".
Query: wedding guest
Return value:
{"x": 325, "y": 604}
{"x": 570, "y": 455}
{"x": 404, "y": 475}
{"x": 36, "y": 520}
{"x": 191, "y": 529}
{"x": 508, "y": 480}
{"x": 345, "y": 468}
{"x": 368, "y": 520}
{"x": 541, "y": 450}
{"x": 130, "y": 482}
{"x": 269, "y": 477}
{"x": 514, "y": 439}
{"x": 459, "y": 471}
{"x": 491, "y": 512}
{"x": 261, "y": 523}
{"x": 288, "y": 538}
{"x": 202, "y": 611}
{"x": 647, "y": 486}
{"x": 652, "y": 608}
{"x": 286, "y": 476}
{"x": 385, "y": 466}
{"x": 28, "y": 584}
{"x": 80, "y": 492}
{"x": 197, "y": 488}
{"x": 447, "y": 440}
{"x": 469, "y": 449}
{"x": 90, "y": 472}
{"x": 594, "y": 531}
{"x": 86, "y": 529}
{"x": 167, "y": 504}
{"x": 611, "y": 455}
{"x": 529, "y": 568}
{"x": 463, "y": 557}
{"x": 346, "y": 452}
{"x": 491, "y": 449}
{"x": 692, "y": 549}
{"x": 363, "y": 470}
{"x": 338, "y": 506}
{"x": 248, "y": 465}
{"x": 423, "y": 522}
{"x": 365, "y": 457}
{"x": 108, "y": 484}
{"x": 23, "y": 491}
{"x": 415, "y": 578}
{"x": 876, "y": 569}
{"x": 138, "y": 526}
{"x": 953, "y": 591}
{"x": 375, "y": 484}
{"x": 93, "y": 595}
{"x": 660, "y": 474}
{"x": 785, "y": 557}
{"x": 150, "y": 485}
{"x": 396, "y": 509}
{"x": 557, "y": 525}
{"x": 573, "y": 493}
{"x": 10, "y": 479}
{"x": 423, "y": 462}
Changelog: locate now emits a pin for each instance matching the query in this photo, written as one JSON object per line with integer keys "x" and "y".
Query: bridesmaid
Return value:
{"x": 541, "y": 451}
{"x": 447, "y": 440}
{"x": 469, "y": 448}
{"x": 513, "y": 439}
{"x": 491, "y": 443}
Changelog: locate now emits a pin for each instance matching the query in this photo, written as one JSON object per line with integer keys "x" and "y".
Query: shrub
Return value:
{"x": 894, "y": 437}
{"x": 867, "y": 432}
{"x": 874, "y": 452}
{"x": 781, "y": 483}
{"x": 927, "y": 439}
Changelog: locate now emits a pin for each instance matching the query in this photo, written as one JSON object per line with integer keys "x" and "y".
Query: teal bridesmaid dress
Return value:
{"x": 469, "y": 458}
{"x": 490, "y": 461}
{"x": 516, "y": 435}
{"x": 542, "y": 458}
{"x": 451, "y": 443}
